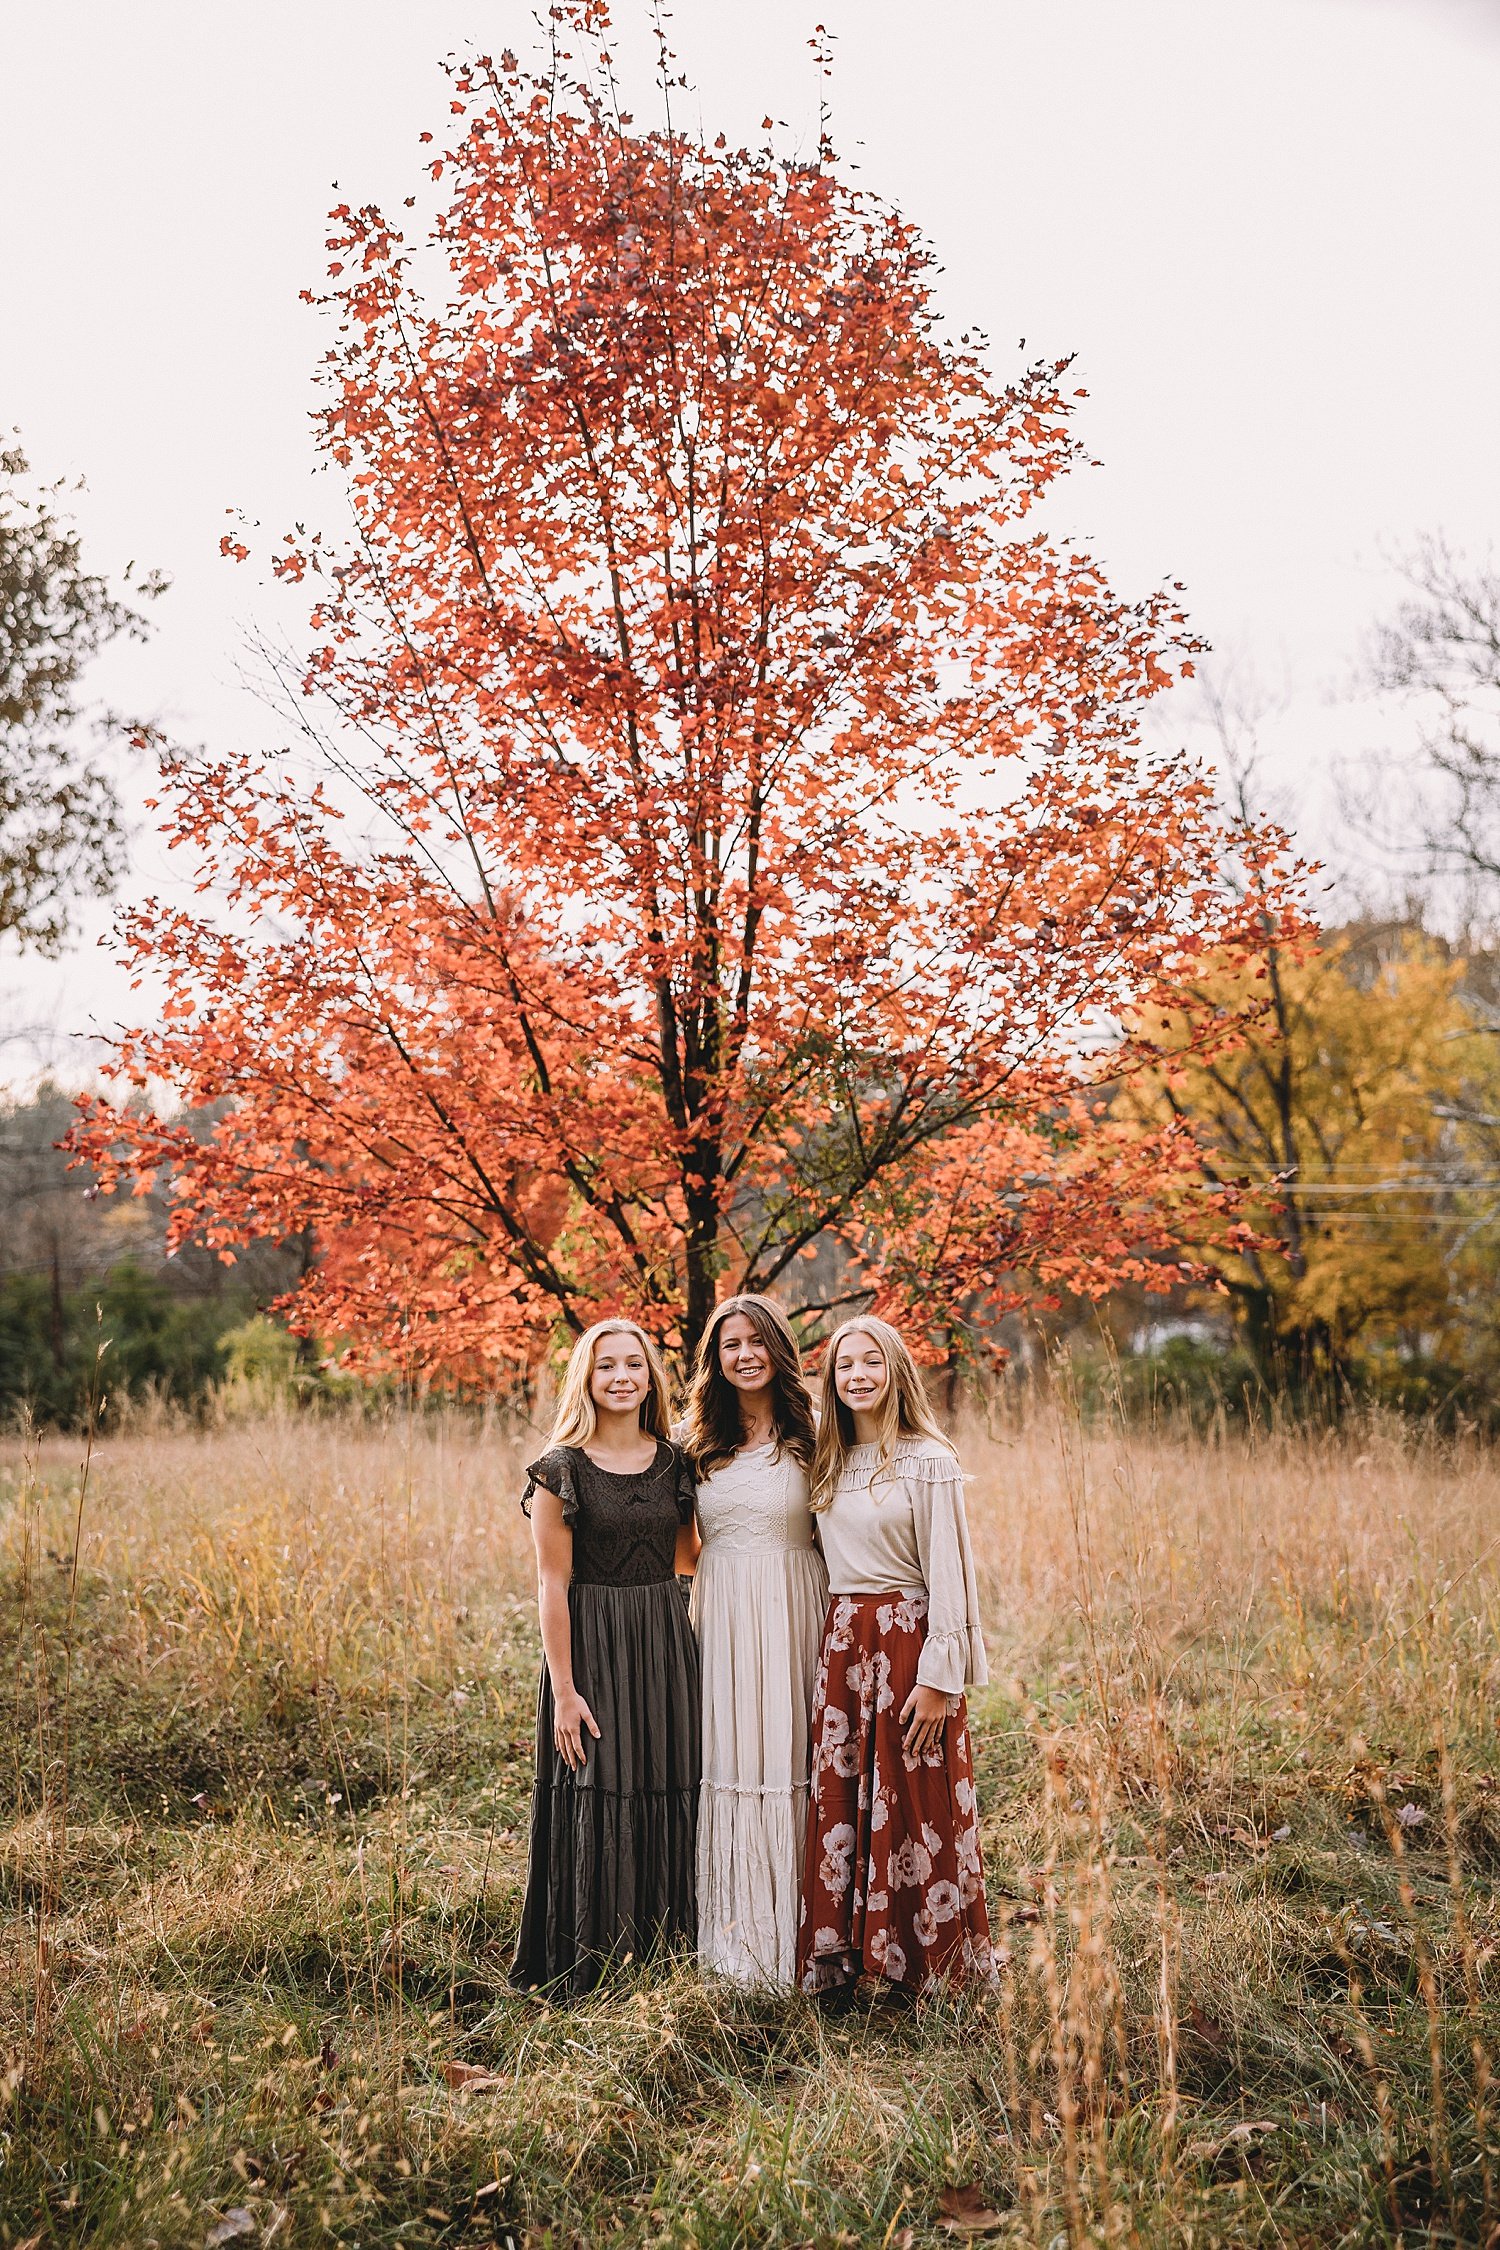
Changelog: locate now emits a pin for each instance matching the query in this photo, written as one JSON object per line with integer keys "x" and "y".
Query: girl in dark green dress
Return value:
{"x": 614, "y": 1812}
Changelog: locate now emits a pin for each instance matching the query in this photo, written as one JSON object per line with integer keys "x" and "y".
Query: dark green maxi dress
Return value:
{"x": 611, "y": 1867}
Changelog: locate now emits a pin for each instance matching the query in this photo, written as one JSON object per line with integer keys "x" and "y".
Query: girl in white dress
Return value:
{"x": 758, "y": 1602}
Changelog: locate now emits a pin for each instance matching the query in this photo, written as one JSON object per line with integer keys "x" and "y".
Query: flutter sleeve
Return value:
{"x": 953, "y": 1655}
{"x": 556, "y": 1471}
{"x": 687, "y": 1486}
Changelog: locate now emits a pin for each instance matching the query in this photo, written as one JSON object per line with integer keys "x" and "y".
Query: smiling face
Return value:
{"x": 743, "y": 1357}
{"x": 860, "y": 1374}
{"x": 621, "y": 1379}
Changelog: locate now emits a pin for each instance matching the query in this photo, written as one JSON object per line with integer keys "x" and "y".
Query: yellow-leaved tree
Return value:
{"x": 1361, "y": 1114}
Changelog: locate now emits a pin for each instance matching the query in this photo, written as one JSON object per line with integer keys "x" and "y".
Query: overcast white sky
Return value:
{"x": 1267, "y": 228}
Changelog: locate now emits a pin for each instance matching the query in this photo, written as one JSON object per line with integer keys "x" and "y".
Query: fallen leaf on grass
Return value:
{"x": 966, "y": 2212}
{"x": 234, "y": 2223}
{"x": 470, "y": 2078}
{"x": 1204, "y": 2028}
{"x": 1238, "y": 2136}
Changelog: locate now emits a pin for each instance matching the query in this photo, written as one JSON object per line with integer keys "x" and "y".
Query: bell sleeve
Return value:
{"x": 953, "y": 1656}
{"x": 555, "y": 1470}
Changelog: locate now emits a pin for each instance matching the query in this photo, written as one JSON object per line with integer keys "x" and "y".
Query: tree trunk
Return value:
{"x": 701, "y": 1195}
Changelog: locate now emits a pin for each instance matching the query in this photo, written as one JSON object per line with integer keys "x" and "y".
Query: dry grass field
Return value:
{"x": 268, "y": 1735}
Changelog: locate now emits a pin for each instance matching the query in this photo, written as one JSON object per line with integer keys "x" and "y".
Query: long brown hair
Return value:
{"x": 577, "y": 1418}
{"x": 712, "y": 1430}
{"x": 903, "y": 1411}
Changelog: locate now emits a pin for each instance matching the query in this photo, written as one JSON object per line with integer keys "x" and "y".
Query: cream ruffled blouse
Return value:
{"x": 904, "y": 1531}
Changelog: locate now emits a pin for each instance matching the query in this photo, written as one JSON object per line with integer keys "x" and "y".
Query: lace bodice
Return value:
{"x": 624, "y": 1527}
{"x": 756, "y": 1502}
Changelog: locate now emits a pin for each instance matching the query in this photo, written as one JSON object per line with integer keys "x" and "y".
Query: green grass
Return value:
{"x": 1241, "y": 1819}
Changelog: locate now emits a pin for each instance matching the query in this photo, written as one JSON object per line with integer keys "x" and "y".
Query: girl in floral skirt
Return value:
{"x": 892, "y": 1883}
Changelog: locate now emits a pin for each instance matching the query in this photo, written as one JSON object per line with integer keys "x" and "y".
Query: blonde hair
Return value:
{"x": 577, "y": 1417}
{"x": 903, "y": 1411}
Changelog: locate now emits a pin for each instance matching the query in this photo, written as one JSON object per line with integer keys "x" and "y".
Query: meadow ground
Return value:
{"x": 268, "y": 1739}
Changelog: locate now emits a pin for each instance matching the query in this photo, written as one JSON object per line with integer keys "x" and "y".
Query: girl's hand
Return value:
{"x": 570, "y": 1716}
{"x": 924, "y": 1715}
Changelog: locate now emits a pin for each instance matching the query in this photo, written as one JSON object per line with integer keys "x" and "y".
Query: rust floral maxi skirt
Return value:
{"x": 892, "y": 1882}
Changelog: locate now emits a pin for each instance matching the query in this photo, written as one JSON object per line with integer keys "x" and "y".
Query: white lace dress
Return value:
{"x": 759, "y": 1600}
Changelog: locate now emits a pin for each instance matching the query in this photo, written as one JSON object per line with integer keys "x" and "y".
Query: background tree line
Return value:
{"x": 90, "y": 1301}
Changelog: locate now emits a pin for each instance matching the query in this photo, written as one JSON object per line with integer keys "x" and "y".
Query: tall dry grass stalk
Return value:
{"x": 1240, "y": 1815}
{"x": 53, "y": 1721}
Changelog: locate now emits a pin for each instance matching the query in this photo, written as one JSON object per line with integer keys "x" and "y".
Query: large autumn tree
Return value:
{"x": 735, "y": 843}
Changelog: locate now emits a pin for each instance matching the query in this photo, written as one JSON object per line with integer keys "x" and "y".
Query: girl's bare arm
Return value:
{"x": 553, "y": 1539}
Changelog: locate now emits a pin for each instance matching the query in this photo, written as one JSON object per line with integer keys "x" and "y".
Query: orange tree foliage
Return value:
{"x": 735, "y": 832}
